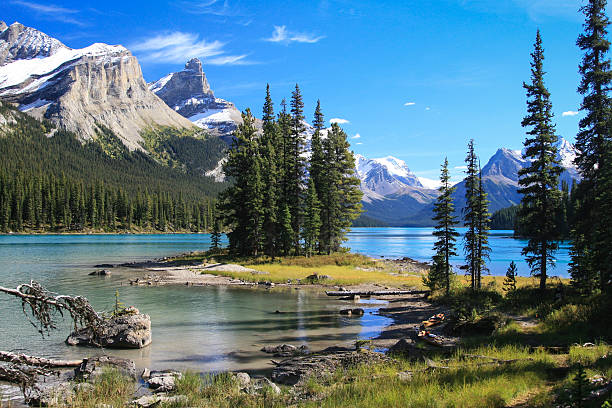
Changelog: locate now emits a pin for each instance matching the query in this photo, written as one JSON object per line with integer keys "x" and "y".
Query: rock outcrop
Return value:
{"x": 80, "y": 89}
{"x": 127, "y": 331}
{"x": 188, "y": 93}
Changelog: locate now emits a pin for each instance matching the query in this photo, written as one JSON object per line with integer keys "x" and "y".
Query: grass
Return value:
{"x": 111, "y": 387}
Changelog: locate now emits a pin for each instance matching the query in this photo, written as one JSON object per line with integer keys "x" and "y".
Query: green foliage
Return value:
{"x": 539, "y": 180}
{"x": 59, "y": 184}
{"x": 591, "y": 249}
{"x": 445, "y": 233}
{"x": 580, "y": 386}
{"x": 510, "y": 281}
{"x": 119, "y": 307}
{"x": 312, "y": 221}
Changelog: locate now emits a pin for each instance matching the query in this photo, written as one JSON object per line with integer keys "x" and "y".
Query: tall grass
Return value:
{"x": 111, "y": 388}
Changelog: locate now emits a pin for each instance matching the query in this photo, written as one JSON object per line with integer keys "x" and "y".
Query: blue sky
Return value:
{"x": 412, "y": 79}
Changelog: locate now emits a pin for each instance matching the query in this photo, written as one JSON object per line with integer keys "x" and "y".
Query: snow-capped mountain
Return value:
{"x": 384, "y": 176}
{"x": 79, "y": 89}
{"x": 189, "y": 94}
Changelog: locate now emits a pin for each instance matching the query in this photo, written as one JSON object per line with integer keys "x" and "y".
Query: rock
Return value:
{"x": 129, "y": 330}
{"x": 104, "y": 266}
{"x": 485, "y": 325}
{"x": 102, "y": 272}
{"x": 404, "y": 376}
{"x": 243, "y": 379}
{"x": 262, "y": 385}
{"x": 286, "y": 350}
{"x": 315, "y": 277}
{"x": 406, "y": 348}
{"x": 163, "y": 381}
{"x": 92, "y": 367}
{"x": 154, "y": 400}
{"x": 146, "y": 373}
{"x": 44, "y": 394}
{"x": 352, "y": 312}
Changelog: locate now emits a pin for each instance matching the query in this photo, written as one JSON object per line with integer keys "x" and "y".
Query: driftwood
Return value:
{"x": 43, "y": 305}
{"x": 14, "y": 358}
{"x": 375, "y": 292}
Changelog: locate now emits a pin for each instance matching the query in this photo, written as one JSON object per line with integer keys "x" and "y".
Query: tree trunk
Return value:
{"x": 543, "y": 267}
{"x": 14, "y": 358}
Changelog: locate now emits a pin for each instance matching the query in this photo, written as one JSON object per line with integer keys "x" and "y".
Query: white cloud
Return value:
{"x": 569, "y": 113}
{"x": 339, "y": 121}
{"x": 410, "y": 104}
{"x": 282, "y": 35}
{"x": 51, "y": 11}
{"x": 427, "y": 108}
{"x": 178, "y": 47}
{"x": 213, "y": 7}
{"x": 357, "y": 136}
{"x": 460, "y": 167}
{"x": 359, "y": 143}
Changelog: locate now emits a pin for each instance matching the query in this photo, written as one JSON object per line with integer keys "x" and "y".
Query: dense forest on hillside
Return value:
{"x": 58, "y": 183}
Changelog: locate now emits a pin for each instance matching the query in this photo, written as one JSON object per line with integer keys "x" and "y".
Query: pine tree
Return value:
{"x": 483, "y": 221}
{"x": 341, "y": 197}
{"x": 470, "y": 215}
{"x": 510, "y": 280}
{"x": 312, "y": 219}
{"x": 445, "y": 232}
{"x": 295, "y": 177}
{"x": 591, "y": 248}
{"x": 215, "y": 236}
{"x": 271, "y": 176}
{"x": 539, "y": 180}
{"x": 317, "y": 158}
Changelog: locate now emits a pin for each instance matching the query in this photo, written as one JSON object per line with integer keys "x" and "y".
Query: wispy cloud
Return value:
{"x": 284, "y": 36}
{"x": 51, "y": 11}
{"x": 570, "y": 113}
{"x": 357, "y": 136}
{"x": 410, "y": 104}
{"x": 178, "y": 47}
{"x": 339, "y": 121}
{"x": 359, "y": 143}
{"x": 428, "y": 108}
{"x": 460, "y": 167}
{"x": 212, "y": 7}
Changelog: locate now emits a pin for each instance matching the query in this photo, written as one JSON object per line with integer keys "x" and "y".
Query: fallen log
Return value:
{"x": 375, "y": 292}
{"x": 15, "y": 358}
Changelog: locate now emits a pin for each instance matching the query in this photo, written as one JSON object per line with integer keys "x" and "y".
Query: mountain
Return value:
{"x": 188, "y": 93}
{"x": 80, "y": 89}
{"x": 395, "y": 199}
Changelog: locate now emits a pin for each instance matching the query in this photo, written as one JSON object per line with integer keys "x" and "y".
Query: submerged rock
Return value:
{"x": 286, "y": 350}
{"x": 102, "y": 272}
{"x": 352, "y": 312}
{"x": 129, "y": 330}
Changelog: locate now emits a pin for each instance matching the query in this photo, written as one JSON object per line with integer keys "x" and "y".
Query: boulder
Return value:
{"x": 130, "y": 330}
{"x": 155, "y": 400}
{"x": 262, "y": 385}
{"x": 92, "y": 367}
{"x": 101, "y": 272}
{"x": 163, "y": 381}
{"x": 315, "y": 277}
{"x": 406, "y": 348}
{"x": 243, "y": 379}
{"x": 352, "y": 312}
{"x": 286, "y": 350}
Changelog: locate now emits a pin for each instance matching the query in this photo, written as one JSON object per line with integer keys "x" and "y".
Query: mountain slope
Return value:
{"x": 78, "y": 89}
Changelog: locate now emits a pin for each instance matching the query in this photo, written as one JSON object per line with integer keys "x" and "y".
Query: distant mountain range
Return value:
{"x": 175, "y": 118}
{"x": 394, "y": 196}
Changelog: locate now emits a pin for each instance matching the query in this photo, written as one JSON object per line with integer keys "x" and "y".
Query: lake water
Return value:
{"x": 202, "y": 328}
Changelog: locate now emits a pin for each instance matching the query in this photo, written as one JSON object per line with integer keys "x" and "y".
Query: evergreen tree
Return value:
{"x": 312, "y": 219}
{"x": 341, "y": 197}
{"x": 295, "y": 176}
{"x": 242, "y": 202}
{"x": 317, "y": 158}
{"x": 215, "y": 236}
{"x": 483, "y": 221}
{"x": 470, "y": 215}
{"x": 270, "y": 176}
{"x": 591, "y": 246}
{"x": 510, "y": 280}
{"x": 445, "y": 233}
{"x": 539, "y": 180}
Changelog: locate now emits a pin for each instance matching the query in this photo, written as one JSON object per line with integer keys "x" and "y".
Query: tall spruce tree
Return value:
{"x": 445, "y": 233}
{"x": 470, "y": 215}
{"x": 540, "y": 179}
{"x": 271, "y": 176}
{"x": 242, "y": 202}
{"x": 483, "y": 222}
{"x": 341, "y": 196}
{"x": 312, "y": 219}
{"x": 591, "y": 250}
{"x": 317, "y": 162}
{"x": 296, "y": 172}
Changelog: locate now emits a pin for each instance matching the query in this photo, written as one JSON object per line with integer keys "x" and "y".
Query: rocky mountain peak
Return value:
{"x": 3, "y": 26}
{"x": 189, "y": 94}
{"x": 18, "y": 42}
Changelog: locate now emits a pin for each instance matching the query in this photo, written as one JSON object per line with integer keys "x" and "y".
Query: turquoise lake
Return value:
{"x": 203, "y": 328}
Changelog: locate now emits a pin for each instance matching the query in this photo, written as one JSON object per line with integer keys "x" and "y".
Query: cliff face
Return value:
{"x": 188, "y": 93}
{"x": 80, "y": 88}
